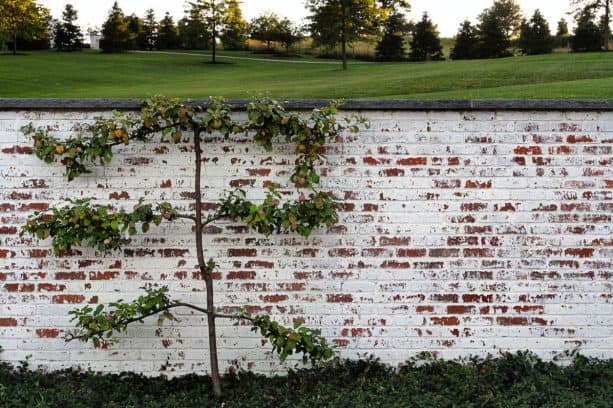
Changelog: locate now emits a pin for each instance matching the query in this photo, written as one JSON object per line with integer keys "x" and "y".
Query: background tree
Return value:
{"x": 192, "y": 29}
{"x": 168, "y": 34}
{"x": 595, "y": 6}
{"x": 235, "y": 33}
{"x": 425, "y": 44}
{"x": 341, "y": 22}
{"x": 136, "y": 28}
{"x": 509, "y": 16}
{"x": 82, "y": 223}
{"x": 535, "y": 36}
{"x": 562, "y": 34}
{"x": 115, "y": 33}
{"x": 494, "y": 42}
{"x": 287, "y": 33}
{"x": 68, "y": 36}
{"x": 24, "y": 20}
{"x": 150, "y": 28}
{"x": 466, "y": 44}
{"x": 391, "y": 45}
{"x": 214, "y": 14}
{"x": 263, "y": 28}
{"x": 587, "y": 36}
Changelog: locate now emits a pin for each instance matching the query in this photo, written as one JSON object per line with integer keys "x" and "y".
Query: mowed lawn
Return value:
{"x": 95, "y": 75}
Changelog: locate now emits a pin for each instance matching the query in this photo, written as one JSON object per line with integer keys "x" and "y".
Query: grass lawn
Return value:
{"x": 91, "y": 74}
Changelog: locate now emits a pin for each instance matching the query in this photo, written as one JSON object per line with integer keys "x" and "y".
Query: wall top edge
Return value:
{"x": 7, "y": 104}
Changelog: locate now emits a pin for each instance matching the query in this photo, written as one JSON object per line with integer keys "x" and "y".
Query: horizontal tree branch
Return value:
{"x": 126, "y": 322}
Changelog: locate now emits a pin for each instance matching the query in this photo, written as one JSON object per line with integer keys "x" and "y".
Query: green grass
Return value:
{"x": 91, "y": 74}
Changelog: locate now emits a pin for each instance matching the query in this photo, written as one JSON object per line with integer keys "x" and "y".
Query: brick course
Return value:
{"x": 463, "y": 233}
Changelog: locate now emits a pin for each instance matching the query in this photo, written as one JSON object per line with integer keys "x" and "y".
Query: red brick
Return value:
{"x": 445, "y": 321}
{"x": 274, "y": 298}
{"x": 68, "y": 299}
{"x": 511, "y": 321}
{"x": 411, "y": 253}
{"x": 7, "y": 322}
{"x": 70, "y": 275}
{"x": 459, "y": 309}
{"x": 241, "y": 275}
{"x": 412, "y": 161}
{"x": 339, "y": 298}
{"x": 242, "y": 252}
{"x": 47, "y": 333}
{"x": 528, "y": 150}
{"x": 579, "y": 252}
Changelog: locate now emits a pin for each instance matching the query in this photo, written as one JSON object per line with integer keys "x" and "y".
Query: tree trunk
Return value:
{"x": 607, "y": 23}
{"x": 344, "y": 35}
{"x": 15, "y": 43}
{"x": 206, "y": 271}
{"x": 214, "y": 40}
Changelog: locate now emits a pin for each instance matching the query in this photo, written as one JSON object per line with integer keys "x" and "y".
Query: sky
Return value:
{"x": 447, "y": 14}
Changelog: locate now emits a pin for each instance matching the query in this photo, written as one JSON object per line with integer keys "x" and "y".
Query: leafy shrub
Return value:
{"x": 511, "y": 380}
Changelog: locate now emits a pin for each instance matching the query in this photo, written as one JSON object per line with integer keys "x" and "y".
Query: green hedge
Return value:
{"x": 512, "y": 380}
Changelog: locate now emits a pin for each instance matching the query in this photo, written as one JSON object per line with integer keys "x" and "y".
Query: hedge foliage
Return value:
{"x": 511, "y": 380}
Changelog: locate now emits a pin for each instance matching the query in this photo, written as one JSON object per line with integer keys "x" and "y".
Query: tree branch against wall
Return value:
{"x": 83, "y": 223}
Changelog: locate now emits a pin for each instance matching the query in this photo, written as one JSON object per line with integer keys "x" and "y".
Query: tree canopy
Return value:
{"x": 341, "y": 22}
{"x": 593, "y": 7}
{"x": 115, "y": 31}
{"x": 466, "y": 43}
{"x": 587, "y": 35}
{"x": 23, "y": 19}
{"x": 235, "y": 32}
{"x": 68, "y": 36}
{"x": 425, "y": 44}
{"x": 535, "y": 36}
{"x": 391, "y": 46}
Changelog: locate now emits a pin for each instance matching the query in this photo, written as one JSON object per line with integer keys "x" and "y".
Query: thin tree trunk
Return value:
{"x": 607, "y": 23}
{"x": 214, "y": 40}
{"x": 15, "y": 43}
{"x": 206, "y": 271}
{"x": 344, "y": 35}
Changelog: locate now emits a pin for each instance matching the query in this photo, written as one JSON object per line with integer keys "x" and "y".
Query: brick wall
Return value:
{"x": 464, "y": 232}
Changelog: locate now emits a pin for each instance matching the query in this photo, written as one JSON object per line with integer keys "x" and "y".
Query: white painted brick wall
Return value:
{"x": 464, "y": 233}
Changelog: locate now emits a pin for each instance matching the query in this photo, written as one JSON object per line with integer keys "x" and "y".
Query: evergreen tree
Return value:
{"x": 168, "y": 34}
{"x": 150, "y": 28}
{"x": 594, "y": 6}
{"x": 341, "y": 22}
{"x": 562, "y": 34}
{"x": 68, "y": 36}
{"x": 391, "y": 46}
{"x": 115, "y": 33}
{"x": 466, "y": 43}
{"x": 138, "y": 37}
{"x": 587, "y": 36}
{"x": 493, "y": 39}
{"x": 425, "y": 44}
{"x": 235, "y": 33}
{"x": 535, "y": 36}
{"x": 192, "y": 30}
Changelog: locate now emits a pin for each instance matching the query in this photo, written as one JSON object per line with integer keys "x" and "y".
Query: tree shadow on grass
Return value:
{"x": 220, "y": 63}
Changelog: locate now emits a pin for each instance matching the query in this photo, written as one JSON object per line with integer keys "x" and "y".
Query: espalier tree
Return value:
{"x": 82, "y": 222}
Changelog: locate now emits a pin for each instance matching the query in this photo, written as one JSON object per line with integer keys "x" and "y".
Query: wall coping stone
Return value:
{"x": 65, "y": 104}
